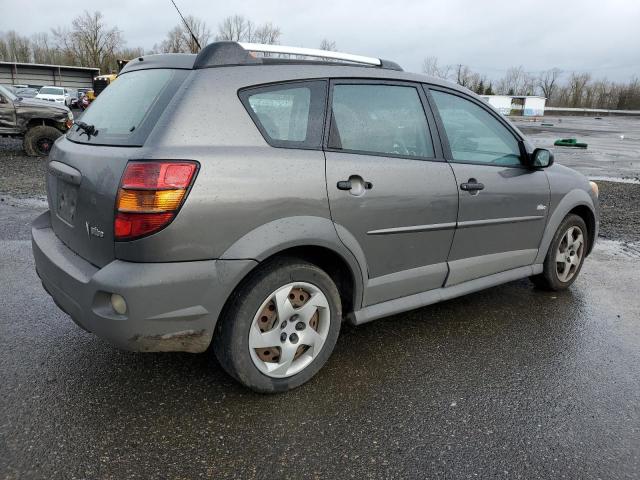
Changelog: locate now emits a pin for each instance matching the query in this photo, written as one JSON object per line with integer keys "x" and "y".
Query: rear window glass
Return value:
{"x": 288, "y": 115}
{"x": 125, "y": 112}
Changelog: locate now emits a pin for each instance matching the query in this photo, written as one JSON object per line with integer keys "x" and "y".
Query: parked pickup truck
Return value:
{"x": 38, "y": 122}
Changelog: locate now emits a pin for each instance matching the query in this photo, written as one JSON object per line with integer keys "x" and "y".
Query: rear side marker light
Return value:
{"x": 150, "y": 195}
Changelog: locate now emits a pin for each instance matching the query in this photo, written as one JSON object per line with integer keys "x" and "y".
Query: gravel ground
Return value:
{"x": 619, "y": 211}
{"x": 22, "y": 176}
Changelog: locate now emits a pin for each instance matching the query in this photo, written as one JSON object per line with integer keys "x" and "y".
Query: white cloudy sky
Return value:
{"x": 598, "y": 36}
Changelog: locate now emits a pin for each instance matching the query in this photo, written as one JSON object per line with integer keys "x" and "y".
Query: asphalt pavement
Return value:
{"x": 511, "y": 382}
{"x": 613, "y": 143}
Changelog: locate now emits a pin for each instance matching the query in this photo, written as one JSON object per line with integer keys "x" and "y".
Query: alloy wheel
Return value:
{"x": 569, "y": 254}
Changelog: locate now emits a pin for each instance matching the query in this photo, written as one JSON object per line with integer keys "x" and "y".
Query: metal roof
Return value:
{"x": 44, "y": 65}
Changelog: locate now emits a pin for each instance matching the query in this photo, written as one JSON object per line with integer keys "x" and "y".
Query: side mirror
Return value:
{"x": 541, "y": 158}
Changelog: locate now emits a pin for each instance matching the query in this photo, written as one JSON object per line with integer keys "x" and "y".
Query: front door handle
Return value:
{"x": 472, "y": 185}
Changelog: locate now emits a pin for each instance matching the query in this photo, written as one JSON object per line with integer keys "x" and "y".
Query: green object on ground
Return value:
{"x": 569, "y": 142}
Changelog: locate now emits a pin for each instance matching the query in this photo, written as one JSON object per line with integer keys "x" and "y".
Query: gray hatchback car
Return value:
{"x": 238, "y": 199}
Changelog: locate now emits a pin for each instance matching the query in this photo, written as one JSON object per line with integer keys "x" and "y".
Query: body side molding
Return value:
{"x": 499, "y": 221}
{"x": 413, "y": 229}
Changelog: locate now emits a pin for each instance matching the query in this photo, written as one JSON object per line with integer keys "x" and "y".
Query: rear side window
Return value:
{"x": 125, "y": 112}
{"x": 379, "y": 119}
{"x": 288, "y": 115}
{"x": 474, "y": 135}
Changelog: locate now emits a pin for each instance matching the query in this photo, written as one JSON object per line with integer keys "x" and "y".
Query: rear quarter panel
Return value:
{"x": 243, "y": 183}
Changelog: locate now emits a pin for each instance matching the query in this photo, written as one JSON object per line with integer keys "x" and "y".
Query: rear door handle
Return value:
{"x": 355, "y": 185}
{"x": 472, "y": 185}
{"x": 348, "y": 185}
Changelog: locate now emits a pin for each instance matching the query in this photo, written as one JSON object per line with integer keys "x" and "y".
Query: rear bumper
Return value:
{"x": 170, "y": 306}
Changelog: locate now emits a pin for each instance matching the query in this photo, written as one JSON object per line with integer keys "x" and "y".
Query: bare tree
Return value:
{"x": 173, "y": 43}
{"x": 4, "y": 50}
{"x": 238, "y": 28}
{"x": 235, "y": 28}
{"x": 430, "y": 66}
{"x": 548, "y": 82}
{"x": 43, "y": 50}
{"x": 16, "y": 47}
{"x": 180, "y": 40}
{"x": 328, "y": 45}
{"x": 577, "y": 88}
{"x": 463, "y": 75}
{"x": 517, "y": 82}
{"x": 267, "y": 33}
{"x": 91, "y": 41}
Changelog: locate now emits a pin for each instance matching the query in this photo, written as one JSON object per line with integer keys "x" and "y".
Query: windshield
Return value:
{"x": 51, "y": 91}
{"x": 6, "y": 93}
{"x": 125, "y": 112}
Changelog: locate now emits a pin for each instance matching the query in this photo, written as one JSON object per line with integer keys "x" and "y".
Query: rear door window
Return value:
{"x": 125, "y": 112}
{"x": 379, "y": 119}
{"x": 288, "y": 115}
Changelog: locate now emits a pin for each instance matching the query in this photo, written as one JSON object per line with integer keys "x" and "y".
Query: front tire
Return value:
{"x": 39, "y": 140}
{"x": 280, "y": 326}
{"x": 566, "y": 255}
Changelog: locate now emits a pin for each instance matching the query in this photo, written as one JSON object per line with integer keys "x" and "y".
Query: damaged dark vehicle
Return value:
{"x": 38, "y": 122}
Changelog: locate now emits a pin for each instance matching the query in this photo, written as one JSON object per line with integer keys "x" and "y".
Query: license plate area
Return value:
{"x": 66, "y": 201}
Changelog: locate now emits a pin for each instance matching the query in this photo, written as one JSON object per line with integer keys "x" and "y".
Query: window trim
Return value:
{"x": 438, "y": 152}
{"x": 443, "y": 133}
{"x": 318, "y": 88}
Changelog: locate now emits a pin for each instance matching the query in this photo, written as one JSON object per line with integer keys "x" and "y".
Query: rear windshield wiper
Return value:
{"x": 86, "y": 128}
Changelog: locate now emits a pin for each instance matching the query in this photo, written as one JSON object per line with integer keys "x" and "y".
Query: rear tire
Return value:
{"x": 566, "y": 255}
{"x": 39, "y": 140}
{"x": 280, "y": 326}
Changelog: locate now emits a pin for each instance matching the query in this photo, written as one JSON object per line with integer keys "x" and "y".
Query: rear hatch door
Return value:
{"x": 86, "y": 167}
{"x": 82, "y": 184}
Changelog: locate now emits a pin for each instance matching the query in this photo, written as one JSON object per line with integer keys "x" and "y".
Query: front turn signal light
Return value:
{"x": 150, "y": 195}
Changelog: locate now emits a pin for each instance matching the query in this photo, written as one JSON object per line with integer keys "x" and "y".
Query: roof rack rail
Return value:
{"x": 220, "y": 54}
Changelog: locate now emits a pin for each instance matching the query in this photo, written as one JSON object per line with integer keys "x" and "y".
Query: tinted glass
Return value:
{"x": 288, "y": 115}
{"x": 380, "y": 119}
{"x": 125, "y": 112}
{"x": 474, "y": 134}
{"x": 284, "y": 114}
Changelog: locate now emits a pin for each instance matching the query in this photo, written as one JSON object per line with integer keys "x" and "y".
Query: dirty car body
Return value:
{"x": 396, "y": 226}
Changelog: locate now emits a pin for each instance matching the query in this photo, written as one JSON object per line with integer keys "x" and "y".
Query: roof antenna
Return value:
{"x": 195, "y": 39}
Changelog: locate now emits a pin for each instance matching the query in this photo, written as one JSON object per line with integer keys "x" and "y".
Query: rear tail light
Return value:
{"x": 150, "y": 195}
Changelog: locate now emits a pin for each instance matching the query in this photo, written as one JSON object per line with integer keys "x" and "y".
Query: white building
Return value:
{"x": 520, "y": 105}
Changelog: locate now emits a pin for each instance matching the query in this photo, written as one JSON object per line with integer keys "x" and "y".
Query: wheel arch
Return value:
{"x": 313, "y": 239}
{"x": 576, "y": 201}
{"x": 589, "y": 218}
{"x": 39, "y": 122}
